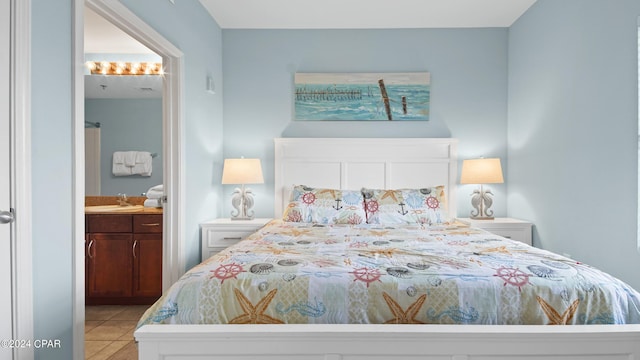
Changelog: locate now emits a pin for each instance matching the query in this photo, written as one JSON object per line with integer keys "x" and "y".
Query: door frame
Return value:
{"x": 20, "y": 124}
{"x": 173, "y": 116}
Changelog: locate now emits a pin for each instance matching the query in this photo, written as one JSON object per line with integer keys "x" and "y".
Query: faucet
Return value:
{"x": 122, "y": 200}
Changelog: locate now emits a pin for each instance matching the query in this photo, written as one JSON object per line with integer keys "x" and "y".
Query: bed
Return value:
{"x": 415, "y": 271}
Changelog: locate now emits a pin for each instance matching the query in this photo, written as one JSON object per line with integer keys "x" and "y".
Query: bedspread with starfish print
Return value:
{"x": 408, "y": 274}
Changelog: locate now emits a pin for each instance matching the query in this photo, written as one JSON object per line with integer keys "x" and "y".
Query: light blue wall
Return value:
{"x": 572, "y": 132}
{"x": 187, "y": 26}
{"x": 52, "y": 191}
{"x": 190, "y": 28}
{"x": 127, "y": 125}
{"x": 468, "y": 91}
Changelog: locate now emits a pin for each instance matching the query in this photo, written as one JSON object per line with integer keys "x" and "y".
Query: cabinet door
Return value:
{"x": 147, "y": 265}
{"x": 110, "y": 265}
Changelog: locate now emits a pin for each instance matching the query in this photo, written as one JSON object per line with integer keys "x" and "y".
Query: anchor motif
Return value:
{"x": 338, "y": 206}
{"x": 402, "y": 211}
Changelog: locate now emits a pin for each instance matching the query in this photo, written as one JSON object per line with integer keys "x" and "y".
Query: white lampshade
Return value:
{"x": 242, "y": 171}
{"x": 481, "y": 171}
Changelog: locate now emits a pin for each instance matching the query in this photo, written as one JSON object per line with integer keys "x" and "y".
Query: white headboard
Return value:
{"x": 353, "y": 163}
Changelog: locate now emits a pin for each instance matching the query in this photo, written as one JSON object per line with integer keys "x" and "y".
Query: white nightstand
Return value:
{"x": 219, "y": 234}
{"x": 507, "y": 227}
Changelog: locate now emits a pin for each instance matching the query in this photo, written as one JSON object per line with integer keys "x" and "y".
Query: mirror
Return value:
{"x": 122, "y": 112}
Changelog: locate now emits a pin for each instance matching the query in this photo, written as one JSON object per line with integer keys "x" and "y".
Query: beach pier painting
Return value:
{"x": 362, "y": 96}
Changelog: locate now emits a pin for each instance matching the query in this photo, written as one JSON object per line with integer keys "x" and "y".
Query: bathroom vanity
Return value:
{"x": 123, "y": 254}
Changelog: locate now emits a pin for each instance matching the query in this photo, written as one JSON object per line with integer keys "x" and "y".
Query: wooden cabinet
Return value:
{"x": 123, "y": 258}
{"x": 147, "y": 255}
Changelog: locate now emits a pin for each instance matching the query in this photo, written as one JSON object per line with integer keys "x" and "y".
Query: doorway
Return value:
{"x": 173, "y": 258}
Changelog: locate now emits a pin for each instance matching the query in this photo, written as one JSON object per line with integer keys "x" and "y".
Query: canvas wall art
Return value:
{"x": 362, "y": 96}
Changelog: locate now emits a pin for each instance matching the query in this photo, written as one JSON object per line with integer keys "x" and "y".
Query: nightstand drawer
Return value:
{"x": 224, "y": 239}
{"x": 219, "y": 234}
{"x": 513, "y": 234}
{"x": 513, "y": 229}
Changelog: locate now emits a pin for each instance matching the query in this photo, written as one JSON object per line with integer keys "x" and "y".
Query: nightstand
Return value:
{"x": 507, "y": 227}
{"x": 219, "y": 234}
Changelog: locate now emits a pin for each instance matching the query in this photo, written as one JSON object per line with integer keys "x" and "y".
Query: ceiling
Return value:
{"x": 101, "y": 37}
{"x": 364, "y": 14}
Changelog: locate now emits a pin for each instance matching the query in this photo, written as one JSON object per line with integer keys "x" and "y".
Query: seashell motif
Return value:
{"x": 542, "y": 271}
{"x": 288, "y": 277}
{"x": 263, "y": 286}
{"x": 411, "y": 291}
{"x": 399, "y": 272}
{"x": 261, "y": 269}
{"x": 367, "y": 194}
{"x": 380, "y": 242}
{"x": 418, "y": 266}
{"x": 435, "y": 281}
{"x": 556, "y": 264}
{"x": 425, "y": 191}
{"x": 288, "y": 262}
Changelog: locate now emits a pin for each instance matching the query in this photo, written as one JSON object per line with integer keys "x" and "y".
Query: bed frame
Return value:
{"x": 380, "y": 163}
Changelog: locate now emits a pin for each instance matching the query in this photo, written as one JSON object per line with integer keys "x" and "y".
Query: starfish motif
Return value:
{"x": 254, "y": 314}
{"x": 330, "y": 191}
{"x": 391, "y": 194}
{"x": 402, "y": 316}
{"x": 297, "y": 232}
{"x": 554, "y": 317}
{"x": 378, "y": 233}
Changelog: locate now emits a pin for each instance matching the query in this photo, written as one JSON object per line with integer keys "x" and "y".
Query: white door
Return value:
{"x": 6, "y": 320}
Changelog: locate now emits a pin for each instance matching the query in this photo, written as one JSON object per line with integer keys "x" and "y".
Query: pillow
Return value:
{"x": 325, "y": 206}
{"x": 406, "y": 206}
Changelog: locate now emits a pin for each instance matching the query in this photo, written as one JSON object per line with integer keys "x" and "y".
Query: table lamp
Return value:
{"x": 481, "y": 171}
{"x": 242, "y": 171}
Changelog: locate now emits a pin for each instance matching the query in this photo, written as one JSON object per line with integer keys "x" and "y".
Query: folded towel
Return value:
{"x": 153, "y": 203}
{"x": 130, "y": 158}
{"x": 155, "y": 192}
{"x": 119, "y": 168}
{"x": 156, "y": 188}
{"x": 142, "y": 165}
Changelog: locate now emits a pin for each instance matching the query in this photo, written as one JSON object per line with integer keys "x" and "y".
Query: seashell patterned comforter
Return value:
{"x": 407, "y": 274}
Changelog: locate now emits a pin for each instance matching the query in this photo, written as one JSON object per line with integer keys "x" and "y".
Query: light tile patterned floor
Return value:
{"x": 108, "y": 331}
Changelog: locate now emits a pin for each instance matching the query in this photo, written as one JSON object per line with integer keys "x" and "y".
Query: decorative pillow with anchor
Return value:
{"x": 406, "y": 206}
{"x": 325, "y": 206}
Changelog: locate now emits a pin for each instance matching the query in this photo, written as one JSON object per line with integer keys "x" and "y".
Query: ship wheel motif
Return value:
{"x": 371, "y": 206}
{"x": 367, "y": 275}
{"x": 432, "y": 202}
{"x": 308, "y": 198}
{"x": 227, "y": 271}
{"x": 512, "y": 276}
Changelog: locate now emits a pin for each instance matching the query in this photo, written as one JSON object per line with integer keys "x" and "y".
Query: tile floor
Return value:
{"x": 108, "y": 331}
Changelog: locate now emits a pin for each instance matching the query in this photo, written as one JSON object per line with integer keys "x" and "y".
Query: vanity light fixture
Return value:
{"x": 124, "y": 68}
{"x": 481, "y": 171}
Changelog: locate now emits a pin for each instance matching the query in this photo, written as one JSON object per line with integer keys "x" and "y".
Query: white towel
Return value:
{"x": 142, "y": 165}
{"x": 153, "y": 203}
{"x": 119, "y": 168}
{"x": 155, "y": 192}
{"x": 130, "y": 158}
